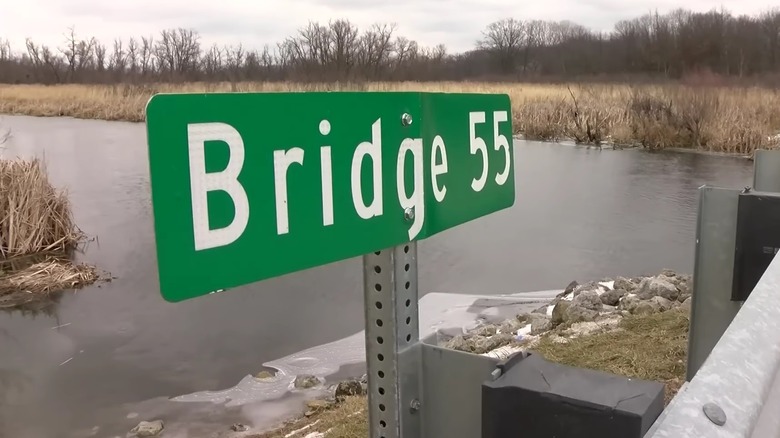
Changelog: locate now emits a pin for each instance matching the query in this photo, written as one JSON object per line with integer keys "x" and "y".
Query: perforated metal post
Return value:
{"x": 392, "y": 335}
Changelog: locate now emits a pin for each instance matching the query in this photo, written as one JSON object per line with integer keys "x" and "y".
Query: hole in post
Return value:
{"x": 378, "y": 305}
{"x": 406, "y": 268}
{"x": 408, "y": 303}
{"x": 378, "y": 252}
{"x": 383, "y": 424}
{"x": 408, "y": 338}
{"x": 408, "y": 320}
{"x": 380, "y": 357}
{"x": 381, "y": 374}
{"x": 381, "y": 391}
{"x": 378, "y": 287}
{"x": 379, "y": 340}
{"x": 379, "y": 323}
{"x": 407, "y": 285}
{"x": 406, "y": 248}
{"x": 382, "y": 407}
{"x": 377, "y": 269}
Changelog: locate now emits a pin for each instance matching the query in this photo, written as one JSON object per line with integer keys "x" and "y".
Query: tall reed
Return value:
{"x": 35, "y": 218}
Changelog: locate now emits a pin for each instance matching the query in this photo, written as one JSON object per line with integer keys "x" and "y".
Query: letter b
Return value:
{"x": 226, "y": 180}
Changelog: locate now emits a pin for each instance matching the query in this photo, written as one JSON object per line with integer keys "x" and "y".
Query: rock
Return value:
{"x": 559, "y": 313}
{"x": 306, "y": 381}
{"x": 569, "y": 289}
{"x": 540, "y": 324}
{"x": 264, "y": 375}
{"x": 592, "y": 327}
{"x": 512, "y": 325}
{"x": 349, "y": 388}
{"x": 318, "y": 405}
{"x": 663, "y": 303}
{"x": 657, "y": 287}
{"x": 645, "y": 308}
{"x": 479, "y": 344}
{"x": 238, "y": 427}
{"x": 624, "y": 284}
{"x": 683, "y": 296}
{"x": 686, "y": 305}
{"x": 459, "y": 343}
{"x": 608, "y": 309}
{"x": 653, "y": 305}
{"x": 580, "y": 314}
{"x": 612, "y": 297}
{"x": 629, "y": 303}
{"x": 588, "y": 299}
{"x": 485, "y": 330}
{"x": 148, "y": 428}
{"x": 484, "y": 344}
{"x": 668, "y": 273}
{"x": 685, "y": 284}
{"x": 587, "y": 287}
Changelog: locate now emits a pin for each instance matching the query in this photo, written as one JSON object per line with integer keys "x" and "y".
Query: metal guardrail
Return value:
{"x": 736, "y": 392}
{"x": 733, "y": 387}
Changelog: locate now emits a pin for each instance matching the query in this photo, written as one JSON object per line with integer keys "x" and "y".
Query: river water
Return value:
{"x": 580, "y": 214}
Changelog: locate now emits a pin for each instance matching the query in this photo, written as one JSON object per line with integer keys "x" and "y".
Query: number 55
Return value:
{"x": 477, "y": 144}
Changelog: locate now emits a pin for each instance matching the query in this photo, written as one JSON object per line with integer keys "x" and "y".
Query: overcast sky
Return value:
{"x": 456, "y": 23}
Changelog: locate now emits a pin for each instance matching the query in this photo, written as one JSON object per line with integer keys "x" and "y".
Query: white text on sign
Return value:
{"x": 226, "y": 180}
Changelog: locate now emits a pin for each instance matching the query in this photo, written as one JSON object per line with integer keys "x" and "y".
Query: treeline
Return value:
{"x": 654, "y": 45}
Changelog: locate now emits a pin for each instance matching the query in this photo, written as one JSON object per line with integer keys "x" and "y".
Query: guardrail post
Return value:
{"x": 712, "y": 308}
{"x": 766, "y": 171}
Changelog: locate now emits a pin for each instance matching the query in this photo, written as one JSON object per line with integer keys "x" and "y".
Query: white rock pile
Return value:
{"x": 579, "y": 310}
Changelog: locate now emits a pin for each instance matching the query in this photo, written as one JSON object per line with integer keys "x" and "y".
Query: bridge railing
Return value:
{"x": 733, "y": 389}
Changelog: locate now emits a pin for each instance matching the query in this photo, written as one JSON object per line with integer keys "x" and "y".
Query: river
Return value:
{"x": 580, "y": 214}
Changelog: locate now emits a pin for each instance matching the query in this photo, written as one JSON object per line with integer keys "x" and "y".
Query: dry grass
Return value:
{"x": 36, "y": 234}
{"x": 651, "y": 347}
{"x": 723, "y": 119}
{"x": 38, "y": 281}
{"x": 34, "y": 216}
{"x": 348, "y": 419}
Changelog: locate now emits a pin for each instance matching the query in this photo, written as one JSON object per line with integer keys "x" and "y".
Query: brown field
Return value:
{"x": 726, "y": 119}
{"x": 650, "y": 347}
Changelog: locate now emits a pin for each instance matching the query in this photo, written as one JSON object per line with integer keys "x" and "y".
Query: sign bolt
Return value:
{"x": 415, "y": 405}
{"x": 406, "y": 119}
{"x": 409, "y": 214}
{"x": 715, "y": 413}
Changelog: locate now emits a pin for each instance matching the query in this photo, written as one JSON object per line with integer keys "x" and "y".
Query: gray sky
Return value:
{"x": 456, "y": 23}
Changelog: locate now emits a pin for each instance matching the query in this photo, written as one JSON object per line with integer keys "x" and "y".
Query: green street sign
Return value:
{"x": 249, "y": 186}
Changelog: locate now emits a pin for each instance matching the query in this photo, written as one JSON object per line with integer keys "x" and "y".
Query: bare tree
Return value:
{"x": 178, "y": 52}
{"x": 505, "y": 39}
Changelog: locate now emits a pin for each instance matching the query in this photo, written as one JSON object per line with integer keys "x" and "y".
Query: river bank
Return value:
{"x": 732, "y": 120}
{"x": 634, "y": 327}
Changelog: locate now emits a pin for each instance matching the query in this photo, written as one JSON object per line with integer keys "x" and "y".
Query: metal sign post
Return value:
{"x": 392, "y": 332}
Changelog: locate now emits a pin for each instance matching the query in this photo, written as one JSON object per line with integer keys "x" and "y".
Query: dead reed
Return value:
{"x": 36, "y": 235}
{"x": 707, "y": 117}
{"x": 34, "y": 217}
{"x": 51, "y": 275}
